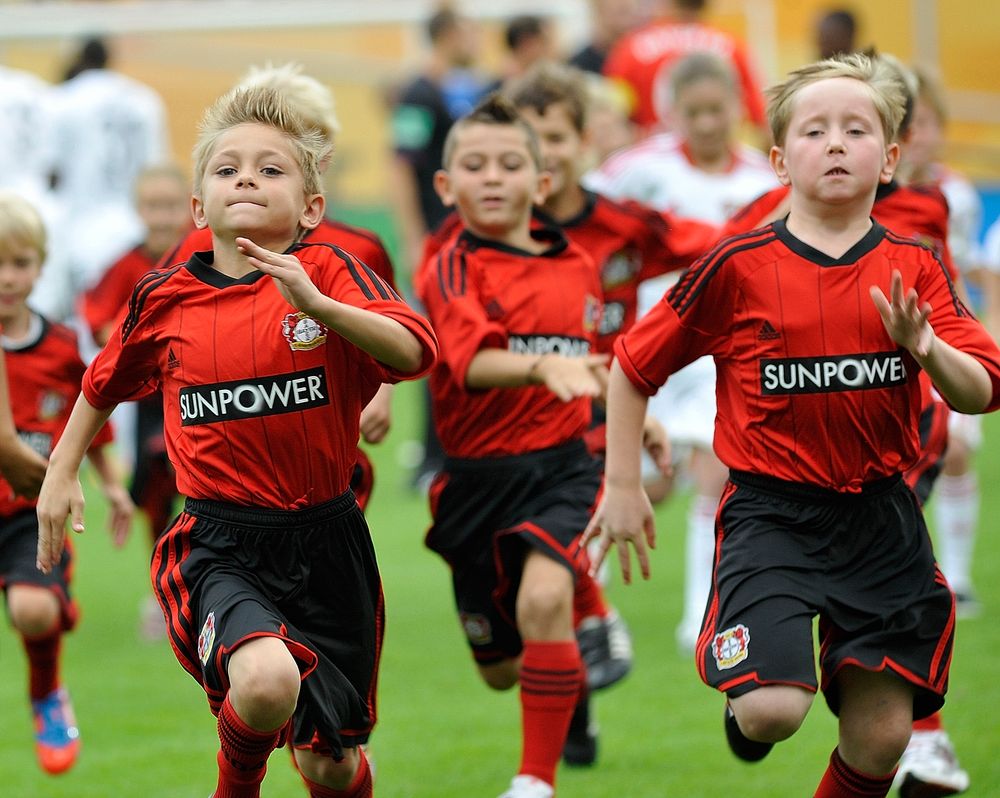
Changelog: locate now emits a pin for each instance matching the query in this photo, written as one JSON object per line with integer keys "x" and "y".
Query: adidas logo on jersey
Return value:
{"x": 172, "y": 361}
{"x": 767, "y": 332}
{"x": 494, "y": 310}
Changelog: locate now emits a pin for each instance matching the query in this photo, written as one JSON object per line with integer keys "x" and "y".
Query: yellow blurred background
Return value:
{"x": 190, "y": 63}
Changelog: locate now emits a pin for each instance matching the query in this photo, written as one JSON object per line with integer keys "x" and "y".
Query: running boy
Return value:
{"x": 268, "y": 578}
{"x": 42, "y": 359}
{"x": 816, "y": 425}
{"x": 517, "y": 310}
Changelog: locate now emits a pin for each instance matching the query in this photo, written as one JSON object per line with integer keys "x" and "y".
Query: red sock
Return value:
{"x": 43, "y": 662}
{"x": 931, "y": 723}
{"x": 843, "y": 781}
{"x": 588, "y": 599}
{"x": 243, "y": 754}
{"x": 360, "y": 787}
{"x": 551, "y": 679}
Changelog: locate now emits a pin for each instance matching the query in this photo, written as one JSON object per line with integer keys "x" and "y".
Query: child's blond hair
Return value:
{"x": 887, "y": 92}
{"x": 21, "y": 225}
{"x": 262, "y": 105}
{"x": 308, "y": 96}
{"x": 548, "y": 84}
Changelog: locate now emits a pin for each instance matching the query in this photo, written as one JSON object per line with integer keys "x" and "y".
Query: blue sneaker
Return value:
{"x": 57, "y": 739}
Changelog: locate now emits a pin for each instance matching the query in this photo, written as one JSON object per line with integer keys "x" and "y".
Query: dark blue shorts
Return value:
{"x": 226, "y": 574}
{"x": 787, "y": 553}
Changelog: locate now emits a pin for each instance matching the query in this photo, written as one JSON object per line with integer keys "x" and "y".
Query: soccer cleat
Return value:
{"x": 606, "y": 649}
{"x": 57, "y": 739}
{"x": 743, "y": 747}
{"x": 522, "y": 786}
{"x": 929, "y": 767}
{"x": 580, "y": 748}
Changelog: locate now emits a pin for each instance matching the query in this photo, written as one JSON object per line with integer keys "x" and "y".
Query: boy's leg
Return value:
{"x": 876, "y": 715}
{"x": 551, "y": 674}
{"x": 264, "y": 689}
{"x": 758, "y": 719}
{"x": 34, "y": 612}
{"x": 326, "y": 778}
{"x": 956, "y": 514}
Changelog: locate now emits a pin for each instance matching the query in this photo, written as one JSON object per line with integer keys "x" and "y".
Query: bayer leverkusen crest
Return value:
{"x": 731, "y": 647}
{"x": 302, "y": 331}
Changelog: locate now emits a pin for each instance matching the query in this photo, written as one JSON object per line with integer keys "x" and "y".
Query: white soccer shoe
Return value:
{"x": 529, "y": 787}
{"x": 929, "y": 767}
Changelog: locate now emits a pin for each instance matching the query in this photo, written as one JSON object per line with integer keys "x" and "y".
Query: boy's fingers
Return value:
{"x": 625, "y": 560}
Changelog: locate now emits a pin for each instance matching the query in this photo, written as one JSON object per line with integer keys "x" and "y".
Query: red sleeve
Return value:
{"x": 105, "y": 303}
{"x": 674, "y": 243}
{"x": 356, "y": 283}
{"x": 693, "y": 318}
{"x": 451, "y": 295}
{"x": 755, "y": 213}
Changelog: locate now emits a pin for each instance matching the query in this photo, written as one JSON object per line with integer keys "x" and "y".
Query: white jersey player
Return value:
{"x": 698, "y": 171}
{"x": 107, "y": 128}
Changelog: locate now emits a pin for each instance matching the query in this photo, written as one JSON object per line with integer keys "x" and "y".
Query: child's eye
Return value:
{"x": 271, "y": 171}
{"x": 856, "y": 131}
{"x": 512, "y": 164}
{"x": 225, "y": 171}
{"x": 814, "y": 132}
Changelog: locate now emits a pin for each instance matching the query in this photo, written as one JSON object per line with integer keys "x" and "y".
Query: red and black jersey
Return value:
{"x": 481, "y": 294}
{"x": 44, "y": 373}
{"x": 105, "y": 304}
{"x": 810, "y": 386}
{"x": 363, "y": 244}
{"x": 261, "y": 402}
{"x": 918, "y": 212}
{"x": 629, "y": 243}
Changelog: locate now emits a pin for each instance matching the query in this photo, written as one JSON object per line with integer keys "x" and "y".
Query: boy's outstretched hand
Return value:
{"x": 623, "y": 516}
{"x": 904, "y": 318}
{"x": 60, "y": 497}
{"x": 287, "y": 272}
{"x": 23, "y": 468}
{"x": 573, "y": 377}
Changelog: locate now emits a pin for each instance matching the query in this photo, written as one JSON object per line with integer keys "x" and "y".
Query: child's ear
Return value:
{"x": 543, "y": 187}
{"x": 892, "y": 154}
{"x": 313, "y": 212}
{"x": 442, "y": 185}
{"x": 777, "y": 158}
{"x": 198, "y": 212}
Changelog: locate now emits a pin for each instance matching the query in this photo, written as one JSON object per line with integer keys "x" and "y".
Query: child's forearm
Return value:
{"x": 626, "y": 416}
{"x": 383, "y": 338}
{"x": 498, "y": 368}
{"x": 959, "y": 378}
{"x": 84, "y": 423}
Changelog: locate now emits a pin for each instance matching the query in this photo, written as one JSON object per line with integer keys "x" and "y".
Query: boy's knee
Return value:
{"x": 500, "y": 675}
{"x": 771, "y": 714}
{"x": 34, "y": 611}
{"x": 264, "y": 683}
{"x": 327, "y": 771}
{"x": 543, "y": 605}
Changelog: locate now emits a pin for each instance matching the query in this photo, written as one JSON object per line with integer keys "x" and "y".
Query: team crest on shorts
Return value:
{"x": 731, "y": 647}
{"x": 302, "y": 331}
{"x": 477, "y": 628}
{"x": 206, "y": 639}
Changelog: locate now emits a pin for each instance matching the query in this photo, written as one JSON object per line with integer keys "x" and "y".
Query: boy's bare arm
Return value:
{"x": 20, "y": 465}
{"x": 61, "y": 495}
{"x": 959, "y": 378}
{"x": 624, "y": 515}
{"x": 567, "y": 377}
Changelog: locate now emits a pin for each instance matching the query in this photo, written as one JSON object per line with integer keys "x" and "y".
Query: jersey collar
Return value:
{"x": 866, "y": 244}
{"x": 200, "y": 265}
{"x": 550, "y": 235}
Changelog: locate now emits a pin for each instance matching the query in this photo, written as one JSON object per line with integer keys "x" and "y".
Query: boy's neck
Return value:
{"x": 17, "y": 326}
{"x": 228, "y": 260}
{"x": 567, "y": 205}
{"x": 518, "y": 237}
{"x": 832, "y": 231}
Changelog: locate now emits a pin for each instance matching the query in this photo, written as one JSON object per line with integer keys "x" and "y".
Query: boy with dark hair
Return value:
{"x": 44, "y": 362}
{"x": 816, "y": 424}
{"x": 265, "y": 360}
{"x": 517, "y": 311}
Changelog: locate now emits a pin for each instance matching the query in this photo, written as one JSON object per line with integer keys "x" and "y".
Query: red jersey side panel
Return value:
{"x": 44, "y": 376}
{"x": 261, "y": 402}
{"x": 483, "y": 295}
{"x": 810, "y": 386}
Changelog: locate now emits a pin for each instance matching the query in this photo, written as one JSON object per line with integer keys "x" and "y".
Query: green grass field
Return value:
{"x": 147, "y": 731}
